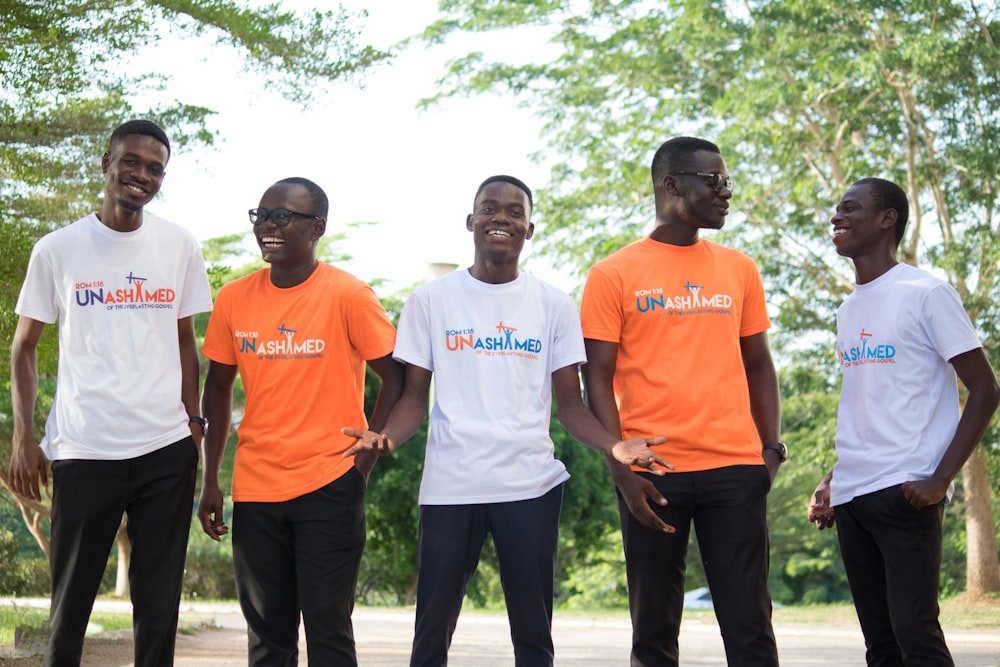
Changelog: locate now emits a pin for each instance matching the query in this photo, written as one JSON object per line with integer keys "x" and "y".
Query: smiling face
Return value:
{"x": 500, "y": 223}
{"x": 860, "y": 225}
{"x": 294, "y": 245}
{"x": 133, "y": 168}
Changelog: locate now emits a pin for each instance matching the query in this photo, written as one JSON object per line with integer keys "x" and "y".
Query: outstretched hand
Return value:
{"x": 637, "y": 452}
{"x": 368, "y": 441}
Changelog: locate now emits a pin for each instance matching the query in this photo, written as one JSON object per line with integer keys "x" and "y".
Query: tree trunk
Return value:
{"x": 124, "y": 560}
{"x": 982, "y": 566}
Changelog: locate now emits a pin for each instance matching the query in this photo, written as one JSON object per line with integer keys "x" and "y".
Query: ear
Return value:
{"x": 669, "y": 185}
{"x": 106, "y": 162}
{"x": 468, "y": 222}
{"x": 530, "y": 232}
{"x": 888, "y": 220}
{"x": 319, "y": 228}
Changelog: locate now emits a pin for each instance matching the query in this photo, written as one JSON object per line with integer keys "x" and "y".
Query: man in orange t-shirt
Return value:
{"x": 299, "y": 334}
{"x": 676, "y": 334}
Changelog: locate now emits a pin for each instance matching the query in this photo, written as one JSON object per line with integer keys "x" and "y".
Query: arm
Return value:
{"x": 190, "y": 370}
{"x": 392, "y": 374}
{"x": 598, "y": 376}
{"x": 404, "y": 420}
{"x": 581, "y": 423}
{"x": 27, "y": 463}
{"x": 973, "y": 369}
{"x": 765, "y": 401}
{"x": 820, "y": 511}
{"x": 217, "y": 407}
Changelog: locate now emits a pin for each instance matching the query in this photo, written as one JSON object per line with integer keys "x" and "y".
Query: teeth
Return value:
{"x": 497, "y": 232}
{"x": 838, "y": 232}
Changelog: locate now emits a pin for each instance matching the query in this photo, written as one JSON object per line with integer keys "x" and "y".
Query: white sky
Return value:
{"x": 412, "y": 173}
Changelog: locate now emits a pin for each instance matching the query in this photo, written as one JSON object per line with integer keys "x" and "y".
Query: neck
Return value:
{"x": 285, "y": 277}
{"x": 666, "y": 232}
{"x": 119, "y": 219}
{"x": 495, "y": 273}
{"x": 867, "y": 269}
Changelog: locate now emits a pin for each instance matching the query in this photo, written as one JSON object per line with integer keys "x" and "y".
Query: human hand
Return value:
{"x": 28, "y": 468}
{"x": 925, "y": 492}
{"x": 820, "y": 511}
{"x": 378, "y": 443}
{"x": 637, "y": 493}
{"x": 210, "y": 512}
{"x": 637, "y": 452}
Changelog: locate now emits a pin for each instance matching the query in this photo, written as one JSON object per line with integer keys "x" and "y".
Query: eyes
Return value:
{"x": 515, "y": 212}
{"x": 155, "y": 170}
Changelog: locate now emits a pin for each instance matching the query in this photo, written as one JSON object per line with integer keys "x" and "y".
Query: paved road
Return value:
{"x": 483, "y": 640}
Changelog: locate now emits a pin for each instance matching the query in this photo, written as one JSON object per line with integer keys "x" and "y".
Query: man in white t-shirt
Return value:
{"x": 122, "y": 433}
{"x": 902, "y": 336}
{"x": 498, "y": 343}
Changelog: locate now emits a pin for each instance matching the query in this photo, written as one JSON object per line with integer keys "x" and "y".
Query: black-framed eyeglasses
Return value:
{"x": 279, "y": 216}
{"x": 718, "y": 182}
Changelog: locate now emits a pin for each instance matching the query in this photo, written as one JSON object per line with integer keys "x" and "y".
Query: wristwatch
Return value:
{"x": 779, "y": 447}
{"x": 200, "y": 421}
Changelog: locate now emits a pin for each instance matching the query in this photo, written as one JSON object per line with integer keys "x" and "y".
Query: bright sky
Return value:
{"x": 380, "y": 160}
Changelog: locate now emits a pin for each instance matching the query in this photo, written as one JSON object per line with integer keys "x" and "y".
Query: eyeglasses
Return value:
{"x": 719, "y": 180}
{"x": 279, "y": 216}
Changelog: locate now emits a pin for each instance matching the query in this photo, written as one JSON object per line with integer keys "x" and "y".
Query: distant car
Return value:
{"x": 701, "y": 598}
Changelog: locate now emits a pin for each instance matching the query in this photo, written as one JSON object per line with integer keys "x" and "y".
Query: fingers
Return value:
{"x": 379, "y": 443}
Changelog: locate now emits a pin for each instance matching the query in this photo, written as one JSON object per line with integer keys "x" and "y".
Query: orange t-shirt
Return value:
{"x": 677, "y": 314}
{"x": 301, "y": 354}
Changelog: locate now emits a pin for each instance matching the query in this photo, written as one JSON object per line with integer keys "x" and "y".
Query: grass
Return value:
{"x": 33, "y": 621}
{"x": 956, "y": 613}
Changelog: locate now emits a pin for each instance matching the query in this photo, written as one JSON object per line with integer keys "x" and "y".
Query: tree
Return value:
{"x": 804, "y": 97}
{"x": 66, "y": 86}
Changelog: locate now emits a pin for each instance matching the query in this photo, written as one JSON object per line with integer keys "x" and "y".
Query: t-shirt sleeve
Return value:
{"x": 601, "y": 312}
{"x": 754, "y": 317}
{"x": 37, "y": 299}
{"x": 413, "y": 340}
{"x": 368, "y": 325}
{"x": 195, "y": 292}
{"x": 219, "y": 343}
{"x": 567, "y": 341}
{"x": 947, "y": 323}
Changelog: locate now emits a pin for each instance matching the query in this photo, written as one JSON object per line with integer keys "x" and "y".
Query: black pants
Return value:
{"x": 729, "y": 509}
{"x": 892, "y": 556}
{"x": 156, "y": 491}
{"x": 526, "y": 536}
{"x": 301, "y": 555}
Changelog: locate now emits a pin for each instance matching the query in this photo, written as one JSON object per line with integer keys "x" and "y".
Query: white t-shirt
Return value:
{"x": 117, "y": 297}
{"x": 492, "y": 349}
{"x": 899, "y": 401}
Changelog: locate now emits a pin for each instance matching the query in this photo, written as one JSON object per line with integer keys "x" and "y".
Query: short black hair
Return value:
{"x": 321, "y": 204}
{"x": 888, "y": 195}
{"x": 502, "y": 178}
{"x": 671, "y": 153}
{"x": 147, "y": 127}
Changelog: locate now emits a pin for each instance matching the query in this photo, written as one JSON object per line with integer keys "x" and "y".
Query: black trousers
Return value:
{"x": 892, "y": 556}
{"x": 728, "y": 507}
{"x": 526, "y": 536}
{"x": 301, "y": 555}
{"x": 156, "y": 491}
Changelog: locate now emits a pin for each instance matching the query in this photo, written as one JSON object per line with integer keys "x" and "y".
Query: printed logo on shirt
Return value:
{"x": 283, "y": 345}
{"x": 505, "y": 343}
{"x": 692, "y": 300}
{"x": 134, "y": 294}
{"x": 867, "y": 351}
